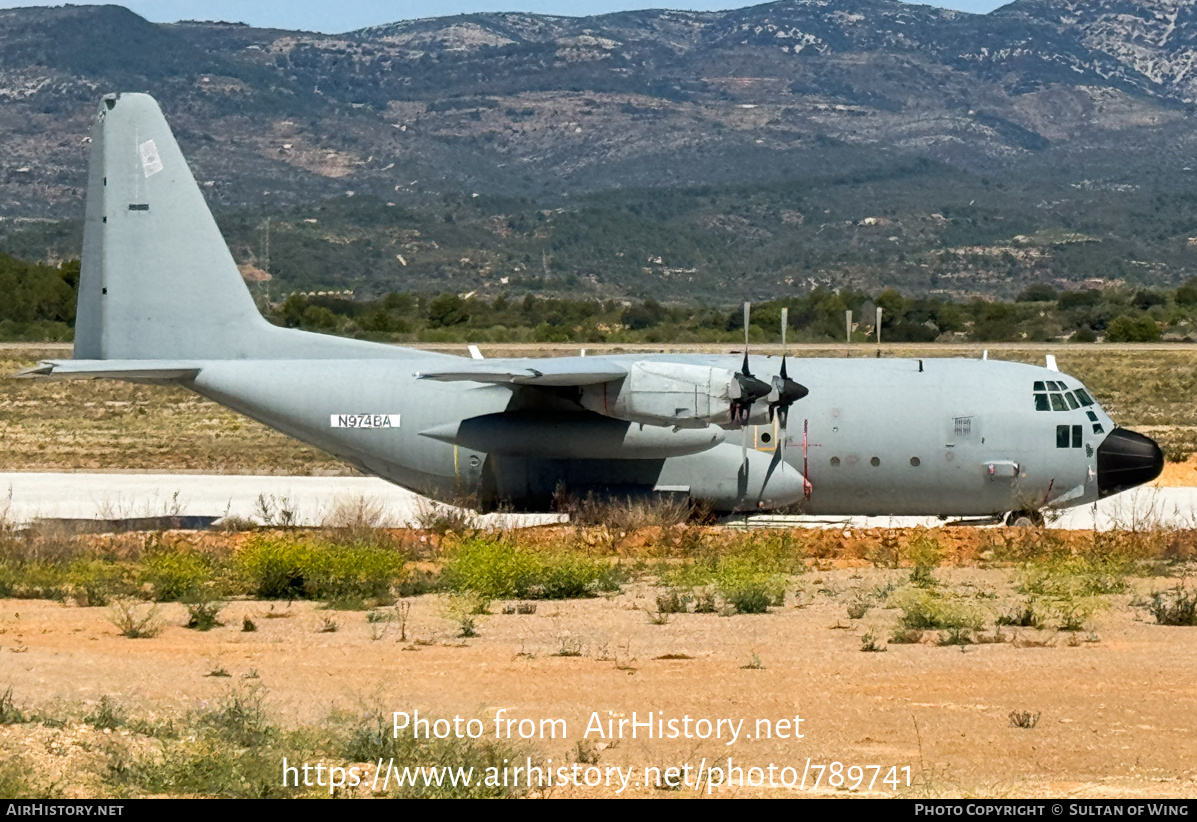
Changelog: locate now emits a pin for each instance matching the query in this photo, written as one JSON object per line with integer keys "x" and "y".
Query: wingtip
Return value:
{"x": 42, "y": 369}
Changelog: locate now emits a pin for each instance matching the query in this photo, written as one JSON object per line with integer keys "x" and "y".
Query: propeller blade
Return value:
{"x": 782, "y": 416}
{"x": 783, "y": 411}
{"x": 785, "y": 322}
{"x": 784, "y": 391}
{"x": 747, "y": 389}
{"x": 747, "y": 312}
{"x": 806, "y": 486}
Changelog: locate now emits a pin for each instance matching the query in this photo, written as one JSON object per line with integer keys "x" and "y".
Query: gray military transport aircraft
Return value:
{"x": 161, "y": 301}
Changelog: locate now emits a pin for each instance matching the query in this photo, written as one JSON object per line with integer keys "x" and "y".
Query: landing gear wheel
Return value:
{"x": 1024, "y": 519}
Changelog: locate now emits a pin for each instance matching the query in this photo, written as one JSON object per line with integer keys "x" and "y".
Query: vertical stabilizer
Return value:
{"x": 158, "y": 280}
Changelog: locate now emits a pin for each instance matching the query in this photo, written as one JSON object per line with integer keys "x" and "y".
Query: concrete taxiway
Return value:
{"x": 313, "y": 500}
{"x": 278, "y": 500}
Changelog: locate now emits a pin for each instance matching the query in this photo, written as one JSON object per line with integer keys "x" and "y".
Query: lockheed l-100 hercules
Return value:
{"x": 161, "y": 300}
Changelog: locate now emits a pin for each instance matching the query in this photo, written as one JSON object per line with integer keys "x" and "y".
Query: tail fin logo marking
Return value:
{"x": 151, "y": 163}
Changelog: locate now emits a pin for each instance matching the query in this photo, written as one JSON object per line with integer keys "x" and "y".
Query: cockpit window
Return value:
{"x": 1054, "y": 395}
{"x": 1069, "y": 436}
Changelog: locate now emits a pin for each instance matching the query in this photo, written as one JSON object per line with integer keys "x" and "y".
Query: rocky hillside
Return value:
{"x": 1042, "y": 118}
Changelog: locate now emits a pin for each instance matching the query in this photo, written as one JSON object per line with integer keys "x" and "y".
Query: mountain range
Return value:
{"x": 786, "y": 145}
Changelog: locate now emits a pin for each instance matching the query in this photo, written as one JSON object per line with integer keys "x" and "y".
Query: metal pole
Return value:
{"x": 878, "y": 325}
{"x": 848, "y": 324}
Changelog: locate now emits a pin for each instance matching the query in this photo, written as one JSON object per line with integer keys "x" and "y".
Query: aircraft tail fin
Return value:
{"x": 157, "y": 280}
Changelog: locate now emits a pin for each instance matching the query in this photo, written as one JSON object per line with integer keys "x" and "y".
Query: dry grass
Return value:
{"x": 355, "y": 513}
{"x": 109, "y": 425}
{"x": 135, "y": 620}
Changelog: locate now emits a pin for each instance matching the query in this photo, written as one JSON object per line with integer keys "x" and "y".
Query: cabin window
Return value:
{"x": 915, "y": 461}
{"x": 1097, "y": 429}
{"x": 1058, "y": 403}
{"x": 1041, "y": 403}
{"x": 875, "y": 461}
{"x": 1076, "y": 436}
{"x": 766, "y": 438}
{"x": 1072, "y": 403}
{"x": 1063, "y": 436}
{"x": 1039, "y": 385}
{"x": 1083, "y": 396}
{"x": 1092, "y": 417}
{"x": 1055, "y": 386}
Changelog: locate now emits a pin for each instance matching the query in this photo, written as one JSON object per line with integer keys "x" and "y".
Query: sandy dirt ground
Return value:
{"x": 1116, "y": 703}
{"x": 1113, "y": 707}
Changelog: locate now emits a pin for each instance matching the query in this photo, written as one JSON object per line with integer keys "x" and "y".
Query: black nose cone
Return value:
{"x": 1126, "y": 459}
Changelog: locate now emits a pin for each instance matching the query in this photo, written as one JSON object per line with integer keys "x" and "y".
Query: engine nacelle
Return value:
{"x": 675, "y": 394}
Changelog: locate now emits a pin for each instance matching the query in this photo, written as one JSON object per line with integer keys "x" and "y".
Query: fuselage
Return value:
{"x": 949, "y": 437}
{"x": 161, "y": 300}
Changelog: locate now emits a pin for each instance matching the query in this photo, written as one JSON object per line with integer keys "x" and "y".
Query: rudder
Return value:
{"x": 157, "y": 279}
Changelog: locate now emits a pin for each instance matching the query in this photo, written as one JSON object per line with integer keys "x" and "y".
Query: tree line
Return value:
{"x": 39, "y": 305}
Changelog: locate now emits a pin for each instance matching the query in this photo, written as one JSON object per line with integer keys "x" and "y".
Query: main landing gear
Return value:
{"x": 1024, "y": 519}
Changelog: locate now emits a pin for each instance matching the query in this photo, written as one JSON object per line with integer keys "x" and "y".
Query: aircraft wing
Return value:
{"x": 548, "y": 371}
{"x": 112, "y": 369}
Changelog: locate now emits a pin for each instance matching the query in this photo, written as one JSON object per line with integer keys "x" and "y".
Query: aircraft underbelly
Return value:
{"x": 716, "y": 476}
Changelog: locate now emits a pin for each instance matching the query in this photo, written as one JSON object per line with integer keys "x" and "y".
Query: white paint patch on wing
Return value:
{"x": 364, "y": 421}
{"x": 151, "y": 163}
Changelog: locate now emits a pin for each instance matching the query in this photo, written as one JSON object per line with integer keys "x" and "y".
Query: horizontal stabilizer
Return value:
{"x": 112, "y": 369}
{"x": 552, "y": 371}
